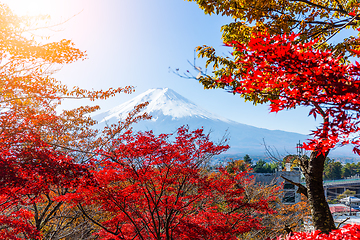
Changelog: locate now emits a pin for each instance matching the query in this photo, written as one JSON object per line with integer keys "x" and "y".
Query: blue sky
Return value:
{"x": 135, "y": 42}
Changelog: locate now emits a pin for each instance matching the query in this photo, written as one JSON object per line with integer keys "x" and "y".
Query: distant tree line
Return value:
{"x": 332, "y": 169}
{"x": 259, "y": 167}
{"x": 263, "y": 167}
{"x": 335, "y": 170}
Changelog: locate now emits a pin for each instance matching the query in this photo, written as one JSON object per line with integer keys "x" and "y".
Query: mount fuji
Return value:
{"x": 169, "y": 110}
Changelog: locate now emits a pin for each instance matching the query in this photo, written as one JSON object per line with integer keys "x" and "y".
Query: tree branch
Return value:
{"x": 320, "y": 6}
{"x": 342, "y": 222}
{"x": 301, "y": 188}
{"x": 94, "y": 221}
{"x": 339, "y": 29}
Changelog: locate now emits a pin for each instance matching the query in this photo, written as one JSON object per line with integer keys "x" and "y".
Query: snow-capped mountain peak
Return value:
{"x": 162, "y": 101}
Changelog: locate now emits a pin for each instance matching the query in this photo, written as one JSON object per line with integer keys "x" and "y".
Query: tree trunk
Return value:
{"x": 313, "y": 172}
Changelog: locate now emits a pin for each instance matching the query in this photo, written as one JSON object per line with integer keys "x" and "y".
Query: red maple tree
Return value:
{"x": 33, "y": 136}
{"x": 149, "y": 187}
{"x": 289, "y": 74}
{"x": 286, "y": 74}
{"x": 29, "y": 168}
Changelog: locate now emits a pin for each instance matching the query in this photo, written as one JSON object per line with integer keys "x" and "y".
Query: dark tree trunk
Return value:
{"x": 320, "y": 211}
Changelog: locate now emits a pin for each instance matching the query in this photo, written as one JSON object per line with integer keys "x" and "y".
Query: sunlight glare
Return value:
{"x": 36, "y": 7}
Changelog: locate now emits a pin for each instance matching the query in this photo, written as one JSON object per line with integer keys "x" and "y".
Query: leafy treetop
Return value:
{"x": 313, "y": 19}
{"x": 287, "y": 74}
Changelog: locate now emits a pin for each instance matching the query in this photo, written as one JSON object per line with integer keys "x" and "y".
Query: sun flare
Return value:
{"x": 35, "y": 7}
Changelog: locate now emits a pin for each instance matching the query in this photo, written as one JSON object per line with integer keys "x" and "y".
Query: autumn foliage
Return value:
{"x": 33, "y": 161}
{"x": 150, "y": 187}
{"x": 348, "y": 232}
{"x": 26, "y": 174}
{"x": 287, "y": 74}
{"x": 283, "y": 55}
{"x": 59, "y": 177}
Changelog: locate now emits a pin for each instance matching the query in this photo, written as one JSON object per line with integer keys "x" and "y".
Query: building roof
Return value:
{"x": 336, "y": 208}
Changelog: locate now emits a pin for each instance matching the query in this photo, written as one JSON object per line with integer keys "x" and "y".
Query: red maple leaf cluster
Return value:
{"x": 289, "y": 74}
{"x": 348, "y": 232}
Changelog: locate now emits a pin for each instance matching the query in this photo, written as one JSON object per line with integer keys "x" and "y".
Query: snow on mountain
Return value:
{"x": 169, "y": 110}
{"x": 165, "y": 100}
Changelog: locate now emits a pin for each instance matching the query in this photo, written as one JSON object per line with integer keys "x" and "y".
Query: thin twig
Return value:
{"x": 338, "y": 30}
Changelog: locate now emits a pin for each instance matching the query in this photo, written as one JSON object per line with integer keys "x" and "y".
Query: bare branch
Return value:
{"x": 342, "y": 222}
{"x": 320, "y": 6}
{"x": 339, "y": 29}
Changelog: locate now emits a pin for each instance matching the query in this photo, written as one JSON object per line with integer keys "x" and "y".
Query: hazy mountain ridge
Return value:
{"x": 170, "y": 111}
